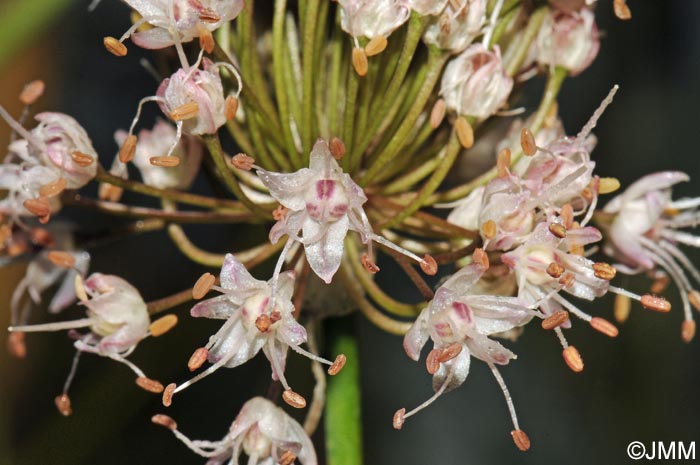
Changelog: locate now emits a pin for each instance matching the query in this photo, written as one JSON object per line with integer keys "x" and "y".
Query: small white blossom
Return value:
{"x": 373, "y": 18}
{"x": 454, "y": 30}
{"x": 568, "y": 39}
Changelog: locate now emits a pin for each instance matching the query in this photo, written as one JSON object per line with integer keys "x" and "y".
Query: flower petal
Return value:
{"x": 325, "y": 252}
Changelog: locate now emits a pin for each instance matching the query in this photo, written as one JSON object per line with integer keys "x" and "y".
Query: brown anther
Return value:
{"x": 432, "y": 364}
{"x": 230, "y": 107}
{"x": 555, "y": 320}
{"x": 576, "y": 249}
{"x": 368, "y": 264}
{"x": 82, "y": 159}
{"x": 275, "y": 316}
{"x": 186, "y": 111}
{"x": 429, "y": 265}
{"x": 658, "y": 304}
{"x": 5, "y": 234}
{"x": 79, "y": 288}
{"x": 555, "y": 270}
{"x": 165, "y": 161}
{"x": 208, "y": 15}
{"x": 622, "y": 11}
{"x": 481, "y": 258}
{"x": 16, "y": 345}
{"x": 287, "y": 458}
{"x": 44, "y": 219}
{"x": 621, "y": 308}
{"x": 337, "y": 148}
{"x": 39, "y": 236}
{"x": 375, "y": 46}
{"x": 61, "y": 259}
{"x": 521, "y": 440}
{"x": 150, "y": 385}
{"x": 203, "y": 285}
{"x": 263, "y": 323}
{"x": 197, "y": 359}
{"x": 573, "y": 359}
{"x": 114, "y": 47}
{"x": 437, "y": 114}
{"x": 243, "y": 161}
{"x": 39, "y": 206}
{"x": 687, "y": 330}
{"x": 168, "y": 394}
{"x": 32, "y": 92}
{"x": 53, "y": 188}
{"x": 359, "y": 61}
{"x": 604, "y": 271}
{"x": 694, "y": 298}
{"x": 527, "y": 142}
{"x": 206, "y": 39}
{"x": 489, "y": 230}
{"x": 338, "y": 364}
{"x": 128, "y": 149}
{"x": 567, "y": 279}
{"x": 279, "y": 213}
{"x": 63, "y": 404}
{"x": 450, "y": 352}
{"x": 464, "y": 132}
{"x": 164, "y": 420}
{"x": 608, "y": 185}
{"x": 558, "y": 230}
{"x": 162, "y": 325}
{"x": 567, "y": 216}
{"x": 293, "y": 399}
{"x": 399, "y": 418}
{"x": 503, "y": 163}
{"x": 604, "y": 326}
{"x": 660, "y": 284}
{"x": 587, "y": 194}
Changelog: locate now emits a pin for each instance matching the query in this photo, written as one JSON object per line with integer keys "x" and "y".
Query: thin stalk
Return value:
{"x": 309, "y": 52}
{"x": 166, "y": 303}
{"x": 523, "y": 44}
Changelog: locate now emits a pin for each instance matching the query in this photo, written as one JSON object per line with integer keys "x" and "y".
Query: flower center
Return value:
{"x": 256, "y": 443}
{"x": 326, "y": 201}
{"x": 537, "y": 260}
{"x": 256, "y": 306}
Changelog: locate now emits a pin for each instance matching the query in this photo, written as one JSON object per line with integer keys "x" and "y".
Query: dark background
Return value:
{"x": 642, "y": 386}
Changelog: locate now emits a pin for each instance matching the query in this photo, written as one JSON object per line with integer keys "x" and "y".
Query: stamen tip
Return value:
{"x": 573, "y": 359}
{"x": 604, "y": 326}
{"x": 164, "y": 420}
{"x": 203, "y": 285}
{"x": 198, "y": 358}
{"x": 114, "y": 47}
{"x": 63, "y": 405}
{"x": 338, "y": 365}
{"x": 521, "y": 440}
{"x": 163, "y": 325}
{"x": 399, "y": 418}
{"x": 150, "y": 385}
{"x": 337, "y": 148}
{"x": 429, "y": 265}
{"x": 658, "y": 304}
{"x": 687, "y": 331}
{"x": 293, "y": 399}
{"x": 168, "y": 394}
{"x": 16, "y": 345}
{"x": 369, "y": 264}
{"x": 555, "y": 320}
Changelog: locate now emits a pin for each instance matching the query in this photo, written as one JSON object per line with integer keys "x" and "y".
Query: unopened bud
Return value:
{"x": 293, "y": 399}
{"x": 573, "y": 359}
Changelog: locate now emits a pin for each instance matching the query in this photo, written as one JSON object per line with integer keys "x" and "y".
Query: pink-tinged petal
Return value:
{"x": 289, "y": 189}
{"x": 290, "y": 225}
{"x": 219, "y": 307}
{"x": 457, "y": 369}
{"x": 644, "y": 185}
{"x": 148, "y": 8}
{"x": 276, "y": 350}
{"x": 628, "y": 249}
{"x": 291, "y": 332}
{"x": 153, "y": 39}
{"x": 114, "y": 300}
{"x": 124, "y": 338}
{"x": 584, "y": 236}
{"x": 417, "y": 335}
{"x": 321, "y": 162}
{"x": 285, "y": 286}
{"x": 466, "y": 214}
{"x": 463, "y": 280}
{"x": 236, "y": 279}
{"x": 232, "y": 339}
{"x": 326, "y": 251}
{"x": 488, "y": 350}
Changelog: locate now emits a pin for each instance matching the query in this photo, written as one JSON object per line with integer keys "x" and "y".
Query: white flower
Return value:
{"x": 373, "y": 18}
{"x": 454, "y": 30}
{"x": 568, "y": 39}
{"x": 427, "y": 7}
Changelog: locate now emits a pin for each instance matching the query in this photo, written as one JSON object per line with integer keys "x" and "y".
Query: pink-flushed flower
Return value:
{"x": 373, "y": 18}
{"x": 475, "y": 83}
{"x": 259, "y": 315}
{"x": 263, "y": 431}
{"x": 459, "y": 324}
{"x": 568, "y": 39}
{"x": 23, "y": 182}
{"x": 455, "y": 29}
{"x": 645, "y": 231}
{"x": 323, "y": 203}
{"x": 179, "y": 21}
{"x": 427, "y": 7}
{"x": 157, "y": 142}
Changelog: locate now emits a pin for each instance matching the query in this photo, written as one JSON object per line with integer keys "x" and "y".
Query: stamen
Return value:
{"x": 114, "y": 47}
{"x": 567, "y": 280}
{"x": 481, "y": 258}
{"x": 604, "y": 326}
{"x": 359, "y": 61}
{"x": 243, "y": 161}
{"x": 164, "y": 420}
{"x": 198, "y": 358}
{"x": 558, "y": 230}
{"x": 230, "y": 107}
{"x": 279, "y": 213}
{"x": 567, "y": 216}
{"x": 16, "y": 345}
{"x": 428, "y": 265}
{"x": 437, "y": 114}
{"x": 162, "y": 325}
{"x": 54, "y": 188}
{"x": 275, "y": 316}
{"x": 263, "y": 323}
{"x": 375, "y": 46}
{"x": 128, "y": 149}
{"x": 186, "y": 111}
{"x": 555, "y": 320}
{"x": 150, "y": 385}
{"x": 694, "y": 299}
{"x": 61, "y": 259}
{"x": 503, "y": 162}
{"x": 168, "y": 394}
{"x": 399, "y": 418}
{"x": 39, "y": 206}
{"x": 658, "y": 304}
{"x": 287, "y": 458}
{"x": 82, "y": 159}
{"x": 687, "y": 330}
{"x": 621, "y": 309}
{"x": 32, "y": 91}
{"x": 622, "y": 11}
{"x": 449, "y": 352}
{"x": 79, "y": 288}
{"x": 166, "y": 161}
{"x": 59, "y": 326}
{"x": 527, "y": 142}
{"x": 555, "y": 270}
{"x": 465, "y": 132}
{"x": 520, "y": 439}
{"x": 63, "y": 404}
{"x": 489, "y": 230}
{"x": 206, "y": 39}
{"x": 203, "y": 285}
{"x": 608, "y": 185}
{"x": 660, "y": 284}
{"x": 337, "y": 148}
{"x": 208, "y": 15}
{"x": 604, "y": 271}
{"x": 573, "y": 359}
{"x": 338, "y": 365}
{"x": 293, "y": 399}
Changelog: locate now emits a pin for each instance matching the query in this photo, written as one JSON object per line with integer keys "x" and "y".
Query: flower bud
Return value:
{"x": 568, "y": 39}
{"x": 454, "y": 29}
{"x": 372, "y": 18}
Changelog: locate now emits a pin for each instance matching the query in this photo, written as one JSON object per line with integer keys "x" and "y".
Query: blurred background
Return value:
{"x": 642, "y": 386}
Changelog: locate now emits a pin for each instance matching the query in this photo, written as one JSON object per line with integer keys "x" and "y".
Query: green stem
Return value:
{"x": 523, "y": 44}
{"x": 309, "y": 52}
